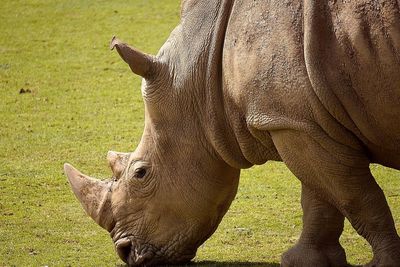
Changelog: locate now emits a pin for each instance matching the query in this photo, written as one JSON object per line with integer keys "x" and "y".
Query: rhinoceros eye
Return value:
{"x": 139, "y": 173}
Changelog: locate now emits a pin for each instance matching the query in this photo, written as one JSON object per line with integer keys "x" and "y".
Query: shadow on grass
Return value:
{"x": 233, "y": 263}
{"x": 222, "y": 264}
{"x": 228, "y": 264}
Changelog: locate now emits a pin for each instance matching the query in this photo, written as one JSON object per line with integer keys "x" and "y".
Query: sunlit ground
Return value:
{"x": 64, "y": 97}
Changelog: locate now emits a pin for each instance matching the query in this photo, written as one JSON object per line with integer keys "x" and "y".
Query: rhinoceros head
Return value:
{"x": 169, "y": 195}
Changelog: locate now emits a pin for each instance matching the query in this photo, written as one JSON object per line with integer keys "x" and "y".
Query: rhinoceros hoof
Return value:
{"x": 306, "y": 256}
{"x": 387, "y": 257}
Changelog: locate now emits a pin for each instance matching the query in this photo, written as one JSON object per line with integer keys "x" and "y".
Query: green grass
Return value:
{"x": 84, "y": 101}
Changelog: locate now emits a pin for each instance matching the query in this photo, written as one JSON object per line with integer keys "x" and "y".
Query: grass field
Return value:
{"x": 64, "y": 97}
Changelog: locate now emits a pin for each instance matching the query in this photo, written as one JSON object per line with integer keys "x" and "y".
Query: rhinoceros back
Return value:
{"x": 352, "y": 54}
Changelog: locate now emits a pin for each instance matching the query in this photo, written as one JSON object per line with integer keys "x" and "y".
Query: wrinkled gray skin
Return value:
{"x": 315, "y": 84}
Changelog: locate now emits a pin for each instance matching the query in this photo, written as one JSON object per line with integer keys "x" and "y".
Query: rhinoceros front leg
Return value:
{"x": 340, "y": 174}
{"x": 319, "y": 242}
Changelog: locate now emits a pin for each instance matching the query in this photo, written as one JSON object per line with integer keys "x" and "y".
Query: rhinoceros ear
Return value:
{"x": 140, "y": 63}
{"x": 94, "y": 196}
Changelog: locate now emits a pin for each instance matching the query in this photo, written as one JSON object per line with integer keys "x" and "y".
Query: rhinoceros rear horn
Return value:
{"x": 94, "y": 196}
{"x": 140, "y": 63}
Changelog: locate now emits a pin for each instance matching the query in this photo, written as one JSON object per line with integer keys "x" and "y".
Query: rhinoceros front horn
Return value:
{"x": 140, "y": 63}
{"x": 94, "y": 196}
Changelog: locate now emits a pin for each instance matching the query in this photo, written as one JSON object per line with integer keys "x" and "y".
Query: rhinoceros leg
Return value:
{"x": 340, "y": 174}
{"x": 319, "y": 241}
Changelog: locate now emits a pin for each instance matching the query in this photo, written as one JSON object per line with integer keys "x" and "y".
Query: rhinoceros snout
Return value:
{"x": 123, "y": 247}
{"x": 131, "y": 254}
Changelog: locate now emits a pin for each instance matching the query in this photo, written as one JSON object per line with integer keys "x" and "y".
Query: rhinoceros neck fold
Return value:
{"x": 201, "y": 42}
{"x": 215, "y": 119}
{"x": 203, "y": 48}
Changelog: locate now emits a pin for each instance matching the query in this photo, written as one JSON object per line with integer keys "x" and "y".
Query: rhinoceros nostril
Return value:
{"x": 123, "y": 247}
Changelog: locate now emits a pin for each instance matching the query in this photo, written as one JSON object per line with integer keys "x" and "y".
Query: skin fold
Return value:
{"x": 315, "y": 84}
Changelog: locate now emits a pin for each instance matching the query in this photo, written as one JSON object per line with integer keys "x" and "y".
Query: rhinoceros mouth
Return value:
{"x": 135, "y": 253}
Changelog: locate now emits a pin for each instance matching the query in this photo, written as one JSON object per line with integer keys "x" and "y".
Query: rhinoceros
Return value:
{"x": 313, "y": 83}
